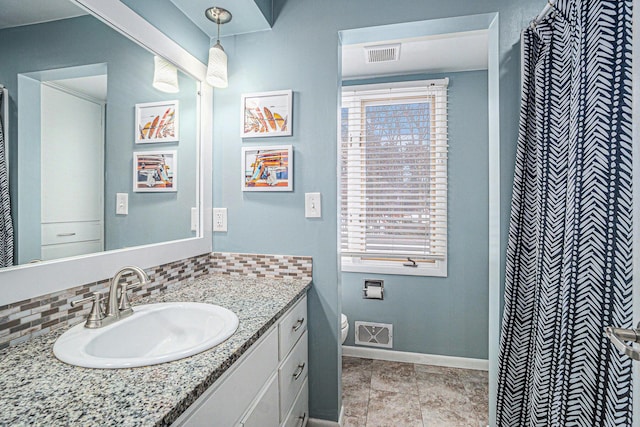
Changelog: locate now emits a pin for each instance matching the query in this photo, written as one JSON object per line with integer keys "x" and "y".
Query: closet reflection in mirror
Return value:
{"x": 73, "y": 83}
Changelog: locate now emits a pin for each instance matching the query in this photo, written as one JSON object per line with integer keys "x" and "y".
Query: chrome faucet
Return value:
{"x": 115, "y": 309}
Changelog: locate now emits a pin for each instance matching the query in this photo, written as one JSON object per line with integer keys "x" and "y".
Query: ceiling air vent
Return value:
{"x": 382, "y": 53}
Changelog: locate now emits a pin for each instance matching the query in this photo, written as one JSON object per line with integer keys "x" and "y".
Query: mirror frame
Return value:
{"x": 26, "y": 281}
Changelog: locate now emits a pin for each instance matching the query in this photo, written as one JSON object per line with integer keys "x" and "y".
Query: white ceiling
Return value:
{"x": 452, "y": 52}
{"x": 15, "y": 13}
{"x": 93, "y": 86}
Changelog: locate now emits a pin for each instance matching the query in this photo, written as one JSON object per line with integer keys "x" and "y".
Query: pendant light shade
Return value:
{"x": 217, "y": 65}
{"x": 165, "y": 75}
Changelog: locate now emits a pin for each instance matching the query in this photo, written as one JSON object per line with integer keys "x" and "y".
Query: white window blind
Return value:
{"x": 393, "y": 163}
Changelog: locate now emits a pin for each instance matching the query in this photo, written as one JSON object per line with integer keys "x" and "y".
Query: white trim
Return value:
{"x": 358, "y": 265}
{"x": 419, "y": 358}
{"x": 341, "y": 416}
{"x": 495, "y": 250}
{"x": 411, "y": 86}
{"x": 30, "y": 280}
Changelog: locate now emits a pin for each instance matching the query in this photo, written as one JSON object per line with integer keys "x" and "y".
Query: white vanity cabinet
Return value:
{"x": 267, "y": 387}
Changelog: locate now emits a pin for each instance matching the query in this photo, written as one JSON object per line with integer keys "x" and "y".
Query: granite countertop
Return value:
{"x": 38, "y": 389}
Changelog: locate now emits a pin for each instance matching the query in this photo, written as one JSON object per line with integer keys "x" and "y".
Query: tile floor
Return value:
{"x": 377, "y": 393}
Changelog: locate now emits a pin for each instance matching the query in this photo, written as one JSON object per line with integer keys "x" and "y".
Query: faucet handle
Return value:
{"x": 94, "y": 319}
{"x": 123, "y": 305}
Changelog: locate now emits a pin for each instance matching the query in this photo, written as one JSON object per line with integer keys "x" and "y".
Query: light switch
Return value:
{"x": 122, "y": 203}
{"x": 194, "y": 219}
{"x": 312, "y": 205}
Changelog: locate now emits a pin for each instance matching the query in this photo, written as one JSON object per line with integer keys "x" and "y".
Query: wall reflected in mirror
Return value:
{"x": 73, "y": 85}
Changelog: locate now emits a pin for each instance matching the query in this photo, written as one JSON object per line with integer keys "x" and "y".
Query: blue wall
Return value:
{"x": 165, "y": 16}
{"x": 449, "y": 315}
{"x": 301, "y": 53}
{"x": 81, "y": 41}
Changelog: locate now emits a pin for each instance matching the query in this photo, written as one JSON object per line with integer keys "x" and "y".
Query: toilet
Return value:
{"x": 345, "y": 327}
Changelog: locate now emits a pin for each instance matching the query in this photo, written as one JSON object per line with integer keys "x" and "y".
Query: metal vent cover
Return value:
{"x": 374, "y": 334}
{"x": 382, "y": 53}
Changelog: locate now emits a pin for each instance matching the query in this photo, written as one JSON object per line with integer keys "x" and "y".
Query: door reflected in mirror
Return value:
{"x": 73, "y": 85}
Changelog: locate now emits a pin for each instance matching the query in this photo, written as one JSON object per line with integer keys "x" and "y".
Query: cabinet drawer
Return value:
{"x": 292, "y": 327}
{"x": 64, "y": 250}
{"x": 68, "y": 232}
{"x": 292, "y": 374}
{"x": 265, "y": 411}
{"x": 299, "y": 415}
{"x": 225, "y": 404}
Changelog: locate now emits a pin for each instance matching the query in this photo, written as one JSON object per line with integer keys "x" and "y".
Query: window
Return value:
{"x": 393, "y": 184}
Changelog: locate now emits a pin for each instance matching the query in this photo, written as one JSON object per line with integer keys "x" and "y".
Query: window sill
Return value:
{"x": 355, "y": 265}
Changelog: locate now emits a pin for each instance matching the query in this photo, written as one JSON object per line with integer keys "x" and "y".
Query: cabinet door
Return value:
{"x": 265, "y": 412}
{"x": 224, "y": 403}
{"x": 72, "y": 151}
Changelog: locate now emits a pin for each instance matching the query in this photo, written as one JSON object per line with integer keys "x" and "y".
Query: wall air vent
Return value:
{"x": 382, "y": 53}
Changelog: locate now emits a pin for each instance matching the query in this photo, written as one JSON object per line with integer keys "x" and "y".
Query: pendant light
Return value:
{"x": 217, "y": 66}
{"x": 165, "y": 75}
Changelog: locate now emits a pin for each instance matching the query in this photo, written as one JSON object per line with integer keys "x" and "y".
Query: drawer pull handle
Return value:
{"x": 66, "y": 234}
{"x": 299, "y": 371}
{"x": 302, "y": 419}
{"x": 298, "y": 325}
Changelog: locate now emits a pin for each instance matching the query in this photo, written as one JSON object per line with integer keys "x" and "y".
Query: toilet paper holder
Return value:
{"x": 373, "y": 289}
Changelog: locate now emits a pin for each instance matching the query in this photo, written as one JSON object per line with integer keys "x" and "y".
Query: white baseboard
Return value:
{"x": 317, "y": 422}
{"x": 422, "y": 359}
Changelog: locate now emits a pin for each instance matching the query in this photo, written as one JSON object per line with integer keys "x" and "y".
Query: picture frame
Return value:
{"x": 155, "y": 171}
{"x": 266, "y": 114}
{"x": 267, "y": 168}
{"x": 157, "y": 122}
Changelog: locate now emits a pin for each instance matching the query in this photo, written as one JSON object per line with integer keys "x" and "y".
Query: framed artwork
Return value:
{"x": 267, "y": 168}
{"x": 266, "y": 114}
{"x": 157, "y": 122}
{"x": 155, "y": 171}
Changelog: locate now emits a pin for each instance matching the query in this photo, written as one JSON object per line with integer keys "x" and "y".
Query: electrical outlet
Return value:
{"x": 220, "y": 219}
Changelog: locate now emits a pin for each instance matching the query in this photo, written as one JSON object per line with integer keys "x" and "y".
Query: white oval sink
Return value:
{"x": 154, "y": 333}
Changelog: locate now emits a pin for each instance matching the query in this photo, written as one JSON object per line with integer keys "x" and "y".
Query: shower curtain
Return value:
{"x": 569, "y": 258}
{"x": 6, "y": 227}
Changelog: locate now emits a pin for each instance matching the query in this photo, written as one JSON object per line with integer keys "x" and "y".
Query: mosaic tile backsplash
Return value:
{"x": 259, "y": 265}
{"x": 23, "y": 320}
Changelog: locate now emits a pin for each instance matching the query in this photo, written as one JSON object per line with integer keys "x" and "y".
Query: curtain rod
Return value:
{"x": 545, "y": 11}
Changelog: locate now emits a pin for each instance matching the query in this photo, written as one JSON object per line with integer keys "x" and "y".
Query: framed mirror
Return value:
{"x": 74, "y": 85}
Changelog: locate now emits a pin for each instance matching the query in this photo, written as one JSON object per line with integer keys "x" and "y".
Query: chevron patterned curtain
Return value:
{"x": 569, "y": 254}
{"x": 6, "y": 227}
